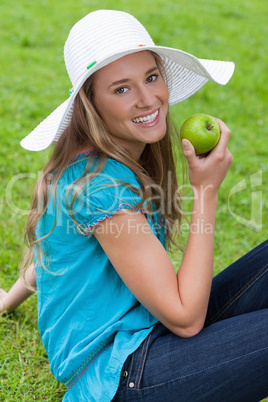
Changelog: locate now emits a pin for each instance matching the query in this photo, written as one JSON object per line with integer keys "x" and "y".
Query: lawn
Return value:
{"x": 34, "y": 82}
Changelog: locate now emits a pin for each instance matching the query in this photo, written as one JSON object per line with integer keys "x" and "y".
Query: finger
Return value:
{"x": 229, "y": 157}
{"x": 224, "y": 137}
{"x": 189, "y": 152}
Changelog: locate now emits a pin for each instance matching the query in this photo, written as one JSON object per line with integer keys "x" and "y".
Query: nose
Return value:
{"x": 145, "y": 96}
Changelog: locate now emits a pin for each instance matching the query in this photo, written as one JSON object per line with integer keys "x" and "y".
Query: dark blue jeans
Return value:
{"x": 226, "y": 362}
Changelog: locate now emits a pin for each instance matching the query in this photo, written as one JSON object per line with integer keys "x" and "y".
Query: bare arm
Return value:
{"x": 10, "y": 300}
{"x": 178, "y": 301}
{"x": 196, "y": 271}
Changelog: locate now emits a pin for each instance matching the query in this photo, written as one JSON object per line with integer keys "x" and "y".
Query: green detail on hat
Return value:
{"x": 91, "y": 65}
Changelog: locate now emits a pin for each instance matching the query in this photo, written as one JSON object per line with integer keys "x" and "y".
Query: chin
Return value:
{"x": 159, "y": 137}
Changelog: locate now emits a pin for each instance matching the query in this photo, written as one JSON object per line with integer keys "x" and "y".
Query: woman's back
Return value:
{"x": 89, "y": 321}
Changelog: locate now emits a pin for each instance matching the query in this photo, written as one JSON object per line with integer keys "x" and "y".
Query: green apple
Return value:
{"x": 202, "y": 131}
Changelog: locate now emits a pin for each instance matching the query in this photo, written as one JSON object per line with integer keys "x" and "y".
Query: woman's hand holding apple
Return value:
{"x": 207, "y": 174}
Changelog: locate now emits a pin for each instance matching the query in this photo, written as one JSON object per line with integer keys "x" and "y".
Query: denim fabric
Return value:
{"x": 227, "y": 361}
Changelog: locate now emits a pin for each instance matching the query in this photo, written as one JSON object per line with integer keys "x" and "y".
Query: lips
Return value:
{"x": 146, "y": 119}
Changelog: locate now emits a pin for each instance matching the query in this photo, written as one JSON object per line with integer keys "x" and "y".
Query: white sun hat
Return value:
{"x": 104, "y": 36}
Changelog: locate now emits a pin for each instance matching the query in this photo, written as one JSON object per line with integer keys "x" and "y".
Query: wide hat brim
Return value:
{"x": 184, "y": 75}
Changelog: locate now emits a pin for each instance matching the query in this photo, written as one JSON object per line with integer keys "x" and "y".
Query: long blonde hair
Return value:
{"x": 155, "y": 170}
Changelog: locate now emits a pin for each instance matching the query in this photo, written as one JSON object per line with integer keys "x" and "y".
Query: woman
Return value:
{"x": 116, "y": 320}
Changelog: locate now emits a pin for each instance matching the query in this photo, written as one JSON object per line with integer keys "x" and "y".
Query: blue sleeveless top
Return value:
{"x": 88, "y": 319}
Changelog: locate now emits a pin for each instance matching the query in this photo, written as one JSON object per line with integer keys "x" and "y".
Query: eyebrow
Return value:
{"x": 124, "y": 80}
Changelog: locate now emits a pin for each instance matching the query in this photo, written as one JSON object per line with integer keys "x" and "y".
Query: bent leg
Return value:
{"x": 227, "y": 361}
{"x": 241, "y": 288}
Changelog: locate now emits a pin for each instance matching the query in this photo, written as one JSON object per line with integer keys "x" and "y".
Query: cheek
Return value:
{"x": 105, "y": 109}
{"x": 165, "y": 94}
{"x": 111, "y": 114}
{"x": 116, "y": 111}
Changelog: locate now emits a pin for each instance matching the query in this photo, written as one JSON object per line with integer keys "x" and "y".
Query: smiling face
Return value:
{"x": 131, "y": 97}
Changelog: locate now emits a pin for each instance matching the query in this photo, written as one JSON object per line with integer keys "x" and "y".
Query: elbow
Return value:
{"x": 188, "y": 331}
{"x": 185, "y": 325}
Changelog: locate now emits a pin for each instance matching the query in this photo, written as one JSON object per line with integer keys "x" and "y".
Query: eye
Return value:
{"x": 152, "y": 78}
{"x": 121, "y": 90}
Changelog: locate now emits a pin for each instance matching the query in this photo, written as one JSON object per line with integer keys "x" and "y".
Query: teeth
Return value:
{"x": 147, "y": 119}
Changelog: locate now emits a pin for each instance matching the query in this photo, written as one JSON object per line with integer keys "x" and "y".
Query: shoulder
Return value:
{"x": 115, "y": 171}
{"x": 106, "y": 187}
{"x": 111, "y": 171}
{"x": 113, "y": 185}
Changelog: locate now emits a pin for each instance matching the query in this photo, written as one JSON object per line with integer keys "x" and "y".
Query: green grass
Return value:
{"x": 34, "y": 82}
